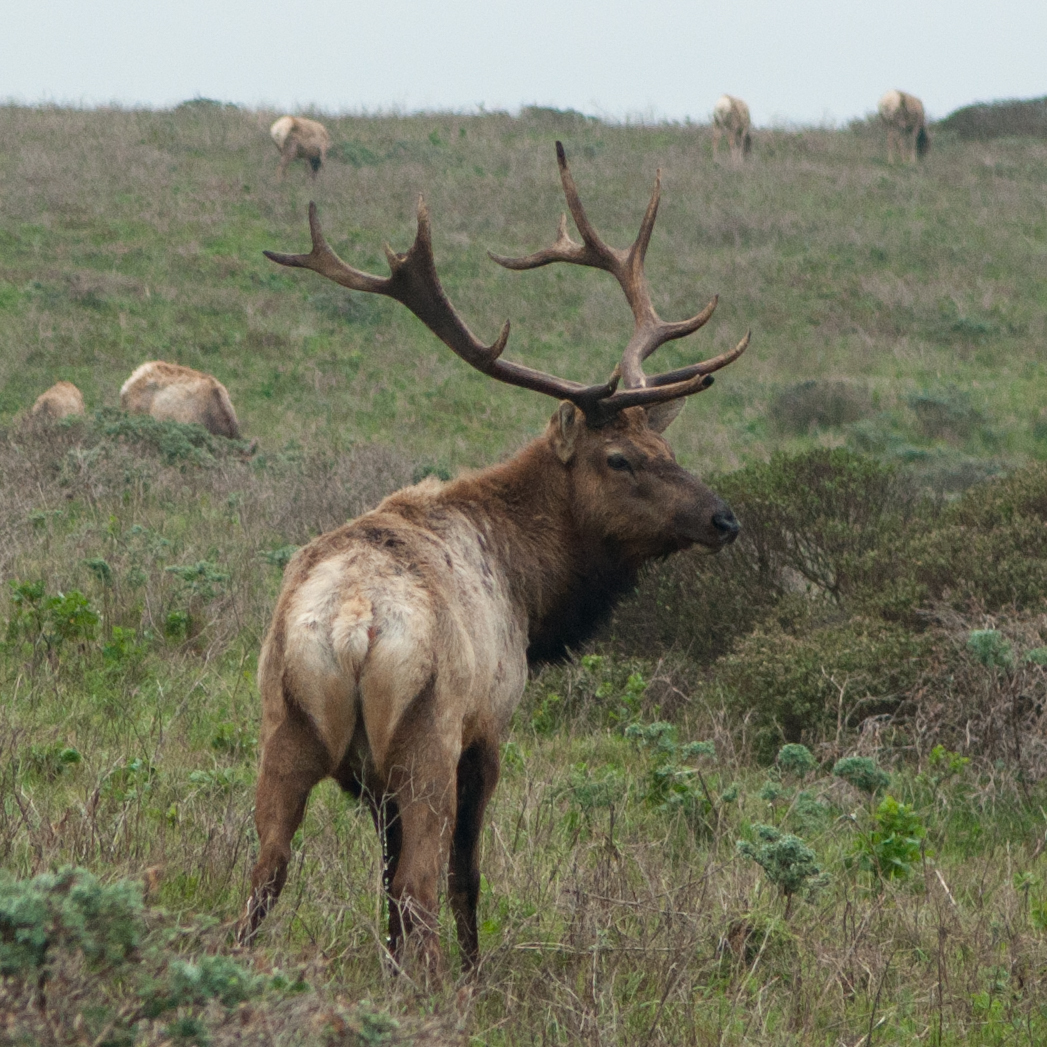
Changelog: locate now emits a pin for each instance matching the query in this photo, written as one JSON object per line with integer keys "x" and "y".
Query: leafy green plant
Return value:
{"x": 545, "y": 718}
{"x": 673, "y": 781}
{"x": 233, "y": 739}
{"x": 203, "y": 579}
{"x": 589, "y": 792}
{"x": 279, "y": 557}
{"x": 49, "y": 620}
{"x": 894, "y": 845}
{"x": 210, "y": 978}
{"x": 788, "y": 862}
{"x": 49, "y": 762}
{"x": 178, "y": 626}
{"x": 132, "y": 781}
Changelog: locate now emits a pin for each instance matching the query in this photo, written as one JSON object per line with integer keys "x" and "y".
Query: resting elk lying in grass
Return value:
{"x": 401, "y": 642}
{"x": 62, "y": 400}
{"x": 173, "y": 393}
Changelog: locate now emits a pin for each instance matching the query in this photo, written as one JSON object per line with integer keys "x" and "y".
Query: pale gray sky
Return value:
{"x": 806, "y": 61}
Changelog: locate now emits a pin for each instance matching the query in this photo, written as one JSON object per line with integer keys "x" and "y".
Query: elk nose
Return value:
{"x": 726, "y": 524}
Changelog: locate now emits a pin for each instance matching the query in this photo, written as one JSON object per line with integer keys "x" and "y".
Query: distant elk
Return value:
{"x": 731, "y": 118}
{"x": 172, "y": 393}
{"x": 296, "y": 137}
{"x": 400, "y": 643}
{"x": 62, "y": 400}
{"x": 902, "y": 115}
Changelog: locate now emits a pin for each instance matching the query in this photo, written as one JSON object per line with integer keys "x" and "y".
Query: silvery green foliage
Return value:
{"x": 788, "y": 862}
{"x": 862, "y": 773}
{"x": 68, "y": 910}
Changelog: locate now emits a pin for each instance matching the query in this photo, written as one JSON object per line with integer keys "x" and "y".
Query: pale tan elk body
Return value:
{"x": 297, "y": 137}
{"x": 172, "y": 393}
{"x": 60, "y": 401}
{"x": 902, "y": 115}
{"x": 731, "y": 118}
{"x": 401, "y": 642}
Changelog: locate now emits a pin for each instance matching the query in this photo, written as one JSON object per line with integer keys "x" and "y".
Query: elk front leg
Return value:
{"x": 293, "y": 762}
{"x": 477, "y": 777}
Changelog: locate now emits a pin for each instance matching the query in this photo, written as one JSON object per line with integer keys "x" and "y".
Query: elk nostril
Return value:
{"x": 727, "y": 524}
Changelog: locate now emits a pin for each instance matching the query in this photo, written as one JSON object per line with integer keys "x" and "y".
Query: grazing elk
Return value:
{"x": 903, "y": 117}
{"x": 400, "y": 643}
{"x": 295, "y": 137}
{"x": 731, "y": 118}
{"x": 60, "y": 401}
{"x": 172, "y": 393}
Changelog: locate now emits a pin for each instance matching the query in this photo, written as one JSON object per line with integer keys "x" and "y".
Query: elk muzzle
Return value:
{"x": 710, "y": 526}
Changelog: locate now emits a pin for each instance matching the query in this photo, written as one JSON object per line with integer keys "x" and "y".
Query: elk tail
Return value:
{"x": 923, "y": 142}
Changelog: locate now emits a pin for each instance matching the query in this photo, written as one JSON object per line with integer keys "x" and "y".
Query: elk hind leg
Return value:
{"x": 423, "y": 785}
{"x": 293, "y": 762}
{"x": 477, "y": 777}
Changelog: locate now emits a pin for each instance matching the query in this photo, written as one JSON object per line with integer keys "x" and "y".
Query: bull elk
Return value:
{"x": 731, "y": 118}
{"x": 401, "y": 642}
{"x": 902, "y": 115}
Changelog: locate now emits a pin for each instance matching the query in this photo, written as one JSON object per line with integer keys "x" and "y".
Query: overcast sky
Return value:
{"x": 794, "y": 61}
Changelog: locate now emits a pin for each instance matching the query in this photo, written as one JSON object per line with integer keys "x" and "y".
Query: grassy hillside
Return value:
{"x": 129, "y": 235}
{"x": 794, "y": 796}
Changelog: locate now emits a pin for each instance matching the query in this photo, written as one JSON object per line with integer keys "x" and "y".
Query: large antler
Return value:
{"x": 414, "y": 283}
{"x": 626, "y": 267}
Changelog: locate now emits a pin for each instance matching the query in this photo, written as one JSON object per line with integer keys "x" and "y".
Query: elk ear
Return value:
{"x": 661, "y": 416}
{"x": 568, "y": 422}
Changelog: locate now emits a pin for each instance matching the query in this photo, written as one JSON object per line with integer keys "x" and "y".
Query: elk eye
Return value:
{"x": 619, "y": 462}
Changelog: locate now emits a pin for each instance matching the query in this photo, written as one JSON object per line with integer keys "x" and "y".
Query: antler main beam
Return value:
{"x": 413, "y": 282}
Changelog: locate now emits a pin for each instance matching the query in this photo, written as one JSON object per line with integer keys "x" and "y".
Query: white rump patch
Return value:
{"x": 281, "y": 129}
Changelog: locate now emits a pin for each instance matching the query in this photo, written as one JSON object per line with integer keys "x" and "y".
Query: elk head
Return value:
{"x": 626, "y": 484}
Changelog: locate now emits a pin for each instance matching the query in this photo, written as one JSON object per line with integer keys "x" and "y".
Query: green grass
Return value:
{"x": 616, "y": 906}
{"x": 131, "y": 235}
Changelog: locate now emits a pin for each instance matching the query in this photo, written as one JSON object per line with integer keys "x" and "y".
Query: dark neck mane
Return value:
{"x": 566, "y": 583}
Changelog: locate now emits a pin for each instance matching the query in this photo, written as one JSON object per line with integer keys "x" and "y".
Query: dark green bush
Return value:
{"x": 862, "y": 773}
{"x": 982, "y": 121}
{"x": 808, "y": 519}
{"x": 795, "y": 688}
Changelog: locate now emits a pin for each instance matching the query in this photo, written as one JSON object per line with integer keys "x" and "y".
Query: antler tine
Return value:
{"x": 638, "y": 251}
{"x": 672, "y": 385}
{"x": 563, "y": 250}
{"x": 321, "y": 259}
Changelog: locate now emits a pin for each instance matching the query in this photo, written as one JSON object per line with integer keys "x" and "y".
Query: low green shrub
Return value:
{"x": 788, "y": 862}
{"x": 68, "y": 910}
{"x": 812, "y": 405}
{"x": 793, "y": 687}
{"x": 862, "y": 773}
